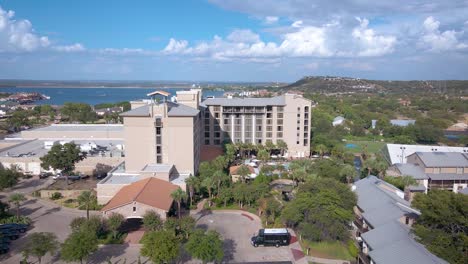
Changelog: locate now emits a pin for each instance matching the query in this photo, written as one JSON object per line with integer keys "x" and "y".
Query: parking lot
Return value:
{"x": 236, "y": 229}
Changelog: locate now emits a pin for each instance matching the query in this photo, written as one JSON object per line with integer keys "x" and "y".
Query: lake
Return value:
{"x": 93, "y": 96}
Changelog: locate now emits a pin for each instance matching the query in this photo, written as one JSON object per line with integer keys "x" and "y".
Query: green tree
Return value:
{"x": 207, "y": 247}
{"x": 443, "y": 224}
{"x": 348, "y": 172}
{"x": 77, "y": 222}
{"x": 400, "y": 182}
{"x": 8, "y": 177}
{"x": 282, "y": 146}
{"x": 186, "y": 226}
{"x": 87, "y": 199}
{"x": 160, "y": 246}
{"x": 78, "y": 112}
{"x": 79, "y": 245}
{"x": 152, "y": 221}
{"x": 230, "y": 152}
{"x": 219, "y": 177}
{"x": 263, "y": 155}
{"x": 193, "y": 184}
{"x": 269, "y": 146}
{"x": 63, "y": 157}
{"x": 209, "y": 183}
{"x": 322, "y": 210}
{"x": 321, "y": 149}
{"x": 243, "y": 171}
{"x": 179, "y": 196}
{"x": 17, "y": 199}
{"x": 18, "y": 119}
{"x": 39, "y": 244}
{"x": 114, "y": 222}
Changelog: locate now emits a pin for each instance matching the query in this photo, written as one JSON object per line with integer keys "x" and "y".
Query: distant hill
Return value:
{"x": 328, "y": 84}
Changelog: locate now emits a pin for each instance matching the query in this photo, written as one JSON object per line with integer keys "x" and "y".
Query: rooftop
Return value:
{"x": 150, "y": 191}
{"x": 389, "y": 241}
{"x": 80, "y": 127}
{"x": 270, "y": 101}
{"x": 158, "y": 168}
{"x": 443, "y": 159}
{"x": 174, "y": 109}
{"x": 402, "y": 122}
{"x": 397, "y": 153}
{"x": 409, "y": 169}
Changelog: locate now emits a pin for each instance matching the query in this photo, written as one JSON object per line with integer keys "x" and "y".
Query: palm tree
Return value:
{"x": 348, "y": 172}
{"x": 263, "y": 155}
{"x": 208, "y": 183}
{"x": 193, "y": 184}
{"x": 86, "y": 199}
{"x": 17, "y": 199}
{"x": 269, "y": 146}
{"x": 218, "y": 177}
{"x": 243, "y": 171}
{"x": 282, "y": 146}
{"x": 321, "y": 149}
{"x": 178, "y": 195}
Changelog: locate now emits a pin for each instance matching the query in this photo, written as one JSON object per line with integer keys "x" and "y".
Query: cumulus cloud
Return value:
{"x": 438, "y": 41}
{"x": 18, "y": 35}
{"x": 304, "y": 41}
{"x": 370, "y": 43}
{"x": 297, "y": 24}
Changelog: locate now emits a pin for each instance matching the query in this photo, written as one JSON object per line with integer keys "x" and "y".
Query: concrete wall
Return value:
{"x": 140, "y": 142}
{"x": 179, "y": 144}
{"x": 127, "y": 210}
{"x": 105, "y": 192}
{"x": 296, "y": 105}
{"x": 72, "y": 134}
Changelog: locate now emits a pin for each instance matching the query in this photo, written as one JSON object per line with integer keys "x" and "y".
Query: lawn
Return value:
{"x": 359, "y": 146}
{"x": 328, "y": 250}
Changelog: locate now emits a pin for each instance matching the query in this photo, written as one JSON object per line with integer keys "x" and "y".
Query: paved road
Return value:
{"x": 236, "y": 230}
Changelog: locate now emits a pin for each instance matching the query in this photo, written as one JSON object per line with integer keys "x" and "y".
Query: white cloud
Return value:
{"x": 243, "y": 36}
{"x": 70, "y": 48}
{"x": 270, "y": 20}
{"x": 297, "y": 24}
{"x": 438, "y": 41}
{"x": 312, "y": 66}
{"x": 371, "y": 44}
{"x": 175, "y": 46}
{"x": 361, "y": 66}
{"x": 18, "y": 35}
{"x": 304, "y": 41}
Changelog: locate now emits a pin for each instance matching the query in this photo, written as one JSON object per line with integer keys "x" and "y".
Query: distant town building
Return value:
{"x": 337, "y": 121}
{"x": 109, "y": 110}
{"x": 397, "y": 153}
{"x": 402, "y": 122}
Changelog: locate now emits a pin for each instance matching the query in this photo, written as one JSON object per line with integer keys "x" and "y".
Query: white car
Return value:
{"x": 57, "y": 176}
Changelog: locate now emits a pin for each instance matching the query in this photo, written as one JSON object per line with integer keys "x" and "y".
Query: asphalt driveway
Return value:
{"x": 236, "y": 229}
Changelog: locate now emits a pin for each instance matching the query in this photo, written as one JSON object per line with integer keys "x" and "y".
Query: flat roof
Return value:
{"x": 35, "y": 147}
{"x": 80, "y": 127}
{"x": 278, "y": 100}
{"x": 158, "y": 168}
{"x": 397, "y": 153}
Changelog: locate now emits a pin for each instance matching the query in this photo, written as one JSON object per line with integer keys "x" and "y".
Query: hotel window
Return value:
{"x": 459, "y": 170}
{"x": 269, "y": 108}
{"x": 217, "y": 134}
{"x": 259, "y": 141}
{"x": 217, "y": 142}
{"x": 279, "y": 121}
{"x": 297, "y": 142}
{"x": 216, "y": 108}
{"x": 269, "y": 134}
{"x": 280, "y": 115}
{"x": 279, "y": 134}
{"x": 134, "y": 208}
{"x": 298, "y": 115}
{"x": 159, "y": 159}
{"x": 279, "y": 128}
{"x": 226, "y": 121}
{"x": 158, "y": 149}
{"x": 207, "y": 121}
{"x": 306, "y": 142}
{"x": 217, "y": 115}
{"x": 207, "y": 114}
{"x": 158, "y": 131}
{"x": 280, "y": 109}
{"x": 207, "y": 141}
{"x": 259, "y": 128}
{"x": 269, "y": 122}
{"x": 268, "y": 115}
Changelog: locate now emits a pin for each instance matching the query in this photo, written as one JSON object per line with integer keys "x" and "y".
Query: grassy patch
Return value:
{"x": 371, "y": 146}
{"x": 329, "y": 250}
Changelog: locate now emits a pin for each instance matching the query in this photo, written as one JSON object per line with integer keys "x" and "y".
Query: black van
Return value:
{"x": 271, "y": 237}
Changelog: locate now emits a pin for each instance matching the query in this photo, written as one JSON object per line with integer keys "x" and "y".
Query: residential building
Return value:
{"x": 259, "y": 120}
{"x": 397, "y": 153}
{"x": 382, "y": 226}
{"x": 402, "y": 122}
{"x": 338, "y": 121}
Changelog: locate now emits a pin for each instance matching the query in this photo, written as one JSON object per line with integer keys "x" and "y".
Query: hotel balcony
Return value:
{"x": 363, "y": 258}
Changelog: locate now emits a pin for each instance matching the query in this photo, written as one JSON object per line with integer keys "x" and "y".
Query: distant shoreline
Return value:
{"x": 99, "y": 87}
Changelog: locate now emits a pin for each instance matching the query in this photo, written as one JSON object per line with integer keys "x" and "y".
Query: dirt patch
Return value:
{"x": 87, "y": 184}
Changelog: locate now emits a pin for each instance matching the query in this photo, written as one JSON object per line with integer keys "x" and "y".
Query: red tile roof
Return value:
{"x": 150, "y": 191}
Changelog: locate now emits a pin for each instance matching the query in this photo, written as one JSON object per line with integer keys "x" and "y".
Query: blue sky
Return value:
{"x": 233, "y": 40}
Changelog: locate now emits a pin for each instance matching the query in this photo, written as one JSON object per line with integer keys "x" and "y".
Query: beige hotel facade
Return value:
{"x": 164, "y": 138}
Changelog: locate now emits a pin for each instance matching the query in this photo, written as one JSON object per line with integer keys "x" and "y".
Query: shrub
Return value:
{"x": 352, "y": 248}
{"x": 56, "y": 196}
{"x": 15, "y": 220}
{"x": 36, "y": 193}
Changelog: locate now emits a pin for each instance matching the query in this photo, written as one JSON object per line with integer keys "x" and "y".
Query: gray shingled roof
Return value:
{"x": 447, "y": 176}
{"x": 181, "y": 110}
{"x": 140, "y": 111}
{"x": 443, "y": 159}
{"x": 278, "y": 100}
{"x": 464, "y": 191}
{"x": 404, "y": 251}
{"x": 389, "y": 241}
{"x": 409, "y": 169}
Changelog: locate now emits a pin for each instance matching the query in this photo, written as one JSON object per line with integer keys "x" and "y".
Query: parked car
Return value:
{"x": 4, "y": 248}
{"x": 45, "y": 175}
{"x": 57, "y": 176}
{"x": 11, "y": 234}
{"x": 19, "y": 227}
{"x": 101, "y": 176}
